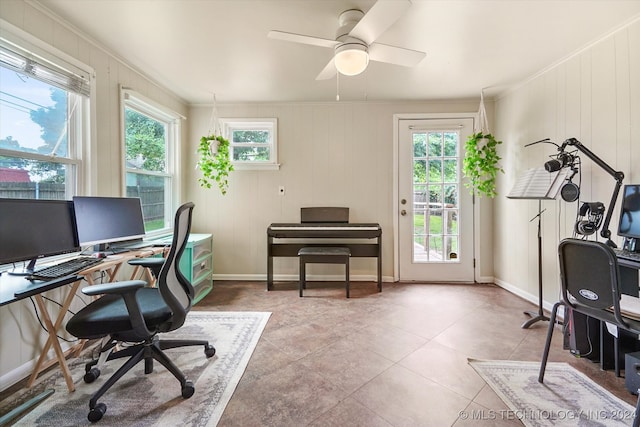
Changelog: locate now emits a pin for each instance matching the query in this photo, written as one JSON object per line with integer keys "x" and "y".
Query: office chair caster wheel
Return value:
{"x": 91, "y": 375}
{"x": 96, "y": 413}
{"x": 188, "y": 389}
{"x": 209, "y": 351}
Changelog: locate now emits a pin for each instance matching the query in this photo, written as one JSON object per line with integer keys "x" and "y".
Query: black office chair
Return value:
{"x": 151, "y": 264}
{"x": 131, "y": 312}
{"x": 590, "y": 281}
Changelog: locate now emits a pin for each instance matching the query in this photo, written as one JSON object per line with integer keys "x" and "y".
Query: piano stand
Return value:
{"x": 305, "y": 233}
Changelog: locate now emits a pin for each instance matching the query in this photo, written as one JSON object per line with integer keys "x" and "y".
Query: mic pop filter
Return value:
{"x": 570, "y": 192}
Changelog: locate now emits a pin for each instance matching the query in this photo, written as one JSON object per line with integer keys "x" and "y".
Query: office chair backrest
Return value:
{"x": 176, "y": 290}
{"x": 589, "y": 273}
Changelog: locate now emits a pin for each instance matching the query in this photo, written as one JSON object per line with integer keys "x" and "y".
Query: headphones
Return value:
{"x": 589, "y": 218}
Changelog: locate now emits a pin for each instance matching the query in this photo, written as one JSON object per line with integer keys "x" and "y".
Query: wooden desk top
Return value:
{"x": 14, "y": 288}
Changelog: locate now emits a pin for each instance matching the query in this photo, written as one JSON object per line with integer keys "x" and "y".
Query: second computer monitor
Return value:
{"x": 104, "y": 220}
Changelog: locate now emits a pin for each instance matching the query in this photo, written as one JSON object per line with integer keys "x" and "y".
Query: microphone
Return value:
{"x": 563, "y": 159}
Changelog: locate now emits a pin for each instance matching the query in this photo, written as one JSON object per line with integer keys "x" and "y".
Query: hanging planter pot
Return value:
{"x": 214, "y": 145}
{"x": 214, "y": 162}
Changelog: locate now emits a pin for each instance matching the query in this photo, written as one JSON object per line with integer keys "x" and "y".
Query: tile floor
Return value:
{"x": 396, "y": 358}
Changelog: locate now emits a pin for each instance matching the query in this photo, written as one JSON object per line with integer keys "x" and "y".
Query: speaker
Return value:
{"x": 632, "y": 372}
{"x": 589, "y": 218}
{"x": 570, "y": 192}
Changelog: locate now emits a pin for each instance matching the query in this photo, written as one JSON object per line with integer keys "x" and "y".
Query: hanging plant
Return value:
{"x": 480, "y": 164}
{"x": 214, "y": 162}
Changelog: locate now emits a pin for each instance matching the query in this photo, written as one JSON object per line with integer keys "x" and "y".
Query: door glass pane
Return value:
{"x": 436, "y": 204}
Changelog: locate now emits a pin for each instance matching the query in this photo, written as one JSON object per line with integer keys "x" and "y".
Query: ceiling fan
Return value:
{"x": 355, "y": 45}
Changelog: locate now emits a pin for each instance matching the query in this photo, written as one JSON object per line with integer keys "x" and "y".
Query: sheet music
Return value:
{"x": 537, "y": 183}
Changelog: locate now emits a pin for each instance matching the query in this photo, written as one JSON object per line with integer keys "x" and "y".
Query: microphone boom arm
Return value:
{"x": 617, "y": 175}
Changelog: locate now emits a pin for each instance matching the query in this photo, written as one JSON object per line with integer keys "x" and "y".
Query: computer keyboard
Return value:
{"x": 624, "y": 254}
{"x": 65, "y": 268}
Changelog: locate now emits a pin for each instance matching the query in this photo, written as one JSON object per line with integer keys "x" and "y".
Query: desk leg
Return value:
{"x": 52, "y": 329}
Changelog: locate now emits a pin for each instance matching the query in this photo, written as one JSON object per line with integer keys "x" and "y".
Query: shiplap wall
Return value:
{"x": 331, "y": 154}
{"x": 20, "y": 334}
{"x": 593, "y": 96}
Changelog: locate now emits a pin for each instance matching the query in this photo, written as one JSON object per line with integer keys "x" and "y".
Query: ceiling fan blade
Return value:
{"x": 300, "y": 38}
{"x": 395, "y": 55}
{"x": 328, "y": 71}
{"x": 378, "y": 19}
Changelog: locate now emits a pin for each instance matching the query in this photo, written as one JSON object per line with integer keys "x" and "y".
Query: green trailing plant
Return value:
{"x": 480, "y": 164}
{"x": 214, "y": 165}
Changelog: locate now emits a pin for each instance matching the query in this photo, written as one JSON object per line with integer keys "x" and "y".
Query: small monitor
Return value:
{"x": 104, "y": 220}
{"x": 629, "y": 224}
{"x": 32, "y": 229}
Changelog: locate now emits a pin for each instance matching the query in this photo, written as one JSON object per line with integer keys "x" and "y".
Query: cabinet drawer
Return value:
{"x": 201, "y": 269}
{"x": 202, "y": 249}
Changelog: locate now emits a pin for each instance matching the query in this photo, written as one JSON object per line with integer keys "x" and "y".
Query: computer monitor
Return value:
{"x": 629, "y": 224}
{"x": 32, "y": 229}
{"x": 105, "y": 220}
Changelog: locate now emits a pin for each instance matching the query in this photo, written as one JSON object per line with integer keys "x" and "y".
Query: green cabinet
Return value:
{"x": 197, "y": 264}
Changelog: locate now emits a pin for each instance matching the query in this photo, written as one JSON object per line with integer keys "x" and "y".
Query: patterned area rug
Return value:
{"x": 154, "y": 399}
{"x": 567, "y": 397}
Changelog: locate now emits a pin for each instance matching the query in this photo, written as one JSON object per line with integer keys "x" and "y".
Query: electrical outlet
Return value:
{"x": 281, "y": 190}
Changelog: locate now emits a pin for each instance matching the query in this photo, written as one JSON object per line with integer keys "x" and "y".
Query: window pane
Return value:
{"x": 435, "y": 144}
{"x": 251, "y": 154}
{"x": 34, "y": 115}
{"x": 251, "y": 136}
{"x": 145, "y": 141}
{"x": 451, "y": 170}
{"x": 152, "y": 191}
{"x": 33, "y": 179}
{"x": 419, "y": 145}
{"x": 451, "y": 144}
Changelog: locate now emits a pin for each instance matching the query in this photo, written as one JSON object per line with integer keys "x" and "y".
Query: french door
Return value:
{"x": 435, "y": 220}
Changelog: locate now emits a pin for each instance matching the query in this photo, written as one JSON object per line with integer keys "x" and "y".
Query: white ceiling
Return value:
{"x": 200, "y": 47}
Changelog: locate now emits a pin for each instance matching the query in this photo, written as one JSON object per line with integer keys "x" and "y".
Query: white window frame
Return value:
{"x": 228, "y": 125}
{"x": 68, "y": 72}
{"x": 173, "y": 121}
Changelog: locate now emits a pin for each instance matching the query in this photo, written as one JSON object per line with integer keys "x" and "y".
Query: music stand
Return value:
{"x": 538, "y": 184}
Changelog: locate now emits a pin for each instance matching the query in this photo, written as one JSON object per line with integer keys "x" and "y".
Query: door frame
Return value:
{"x": 396, "y": 188}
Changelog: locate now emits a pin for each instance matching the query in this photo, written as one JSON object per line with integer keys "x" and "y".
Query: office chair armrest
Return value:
{"x": 114, "y": 288}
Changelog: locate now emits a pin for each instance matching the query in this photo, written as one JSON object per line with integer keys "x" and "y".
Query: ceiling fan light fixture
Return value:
{"x": 351, "y": 59}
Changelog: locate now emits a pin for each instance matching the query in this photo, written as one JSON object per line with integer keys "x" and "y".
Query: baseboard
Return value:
{"x": 24, "y": 371}
{"x": 295, "y": 278}
{"x": 548, "y": 306}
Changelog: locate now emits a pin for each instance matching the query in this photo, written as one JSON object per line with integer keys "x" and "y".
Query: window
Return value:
{"x": 44, "y": 102}
{"x": 253, "y": 142}
{"x": 151, "y": 139}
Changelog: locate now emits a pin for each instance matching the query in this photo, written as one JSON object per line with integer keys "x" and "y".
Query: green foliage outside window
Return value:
{"x": 145, "y": 142}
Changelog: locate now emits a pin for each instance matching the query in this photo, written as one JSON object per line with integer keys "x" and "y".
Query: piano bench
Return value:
{"x": 323, "y": 255}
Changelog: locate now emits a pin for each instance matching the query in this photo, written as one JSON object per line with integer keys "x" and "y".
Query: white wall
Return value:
{"x": 20, "y": 334}
{"x": 593, "y": 96}
{"x": 332, "y": 154}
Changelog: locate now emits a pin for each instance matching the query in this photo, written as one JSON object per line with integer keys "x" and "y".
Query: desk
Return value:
{"x": 16, "y": 288}
{"x": 314, "y": 231}
{"x": 588, "y": 331}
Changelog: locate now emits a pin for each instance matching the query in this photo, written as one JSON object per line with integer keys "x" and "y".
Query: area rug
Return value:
{"x": 567, "y": 397}
{"x": 155, "y": 399}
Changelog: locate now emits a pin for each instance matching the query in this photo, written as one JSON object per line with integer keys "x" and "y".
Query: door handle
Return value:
{"x": 403, "y": 212}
